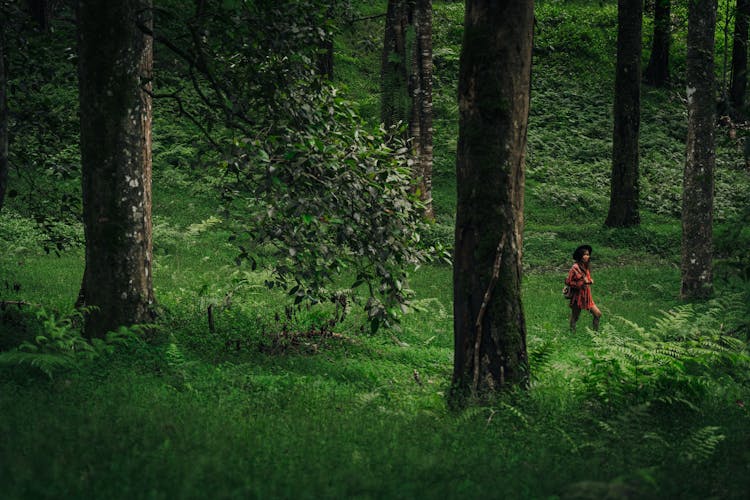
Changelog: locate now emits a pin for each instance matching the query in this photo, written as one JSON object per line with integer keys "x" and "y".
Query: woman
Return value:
{"x": 580, "y": 281}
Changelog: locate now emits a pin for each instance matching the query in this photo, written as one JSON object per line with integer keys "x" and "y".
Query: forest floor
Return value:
{"x": 277, "y": 405}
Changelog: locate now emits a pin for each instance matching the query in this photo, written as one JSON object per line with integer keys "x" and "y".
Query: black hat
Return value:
{"x": 578, "y": 253}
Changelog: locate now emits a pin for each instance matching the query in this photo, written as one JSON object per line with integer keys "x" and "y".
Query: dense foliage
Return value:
{"x": 331, "y": 197}
{"x": 302, "y": 173}
{"x": 300, "y": 403}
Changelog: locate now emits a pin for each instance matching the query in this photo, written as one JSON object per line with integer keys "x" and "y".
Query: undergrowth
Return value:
{"x": 266, "y": 401}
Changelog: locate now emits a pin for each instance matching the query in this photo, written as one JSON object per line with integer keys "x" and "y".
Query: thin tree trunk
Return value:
{"x": 325, "y": 56}
{"x": 623, "y": 204}
{"x": 698, "y": 183}
{"x": 420, "y": 89}
{"x": 494, "y": 83}
{"x": 325, "y": 59}
{"x": 395, "y": 98}
{"x": 406, "y": 84}
{"x": 657, "y": 70}
{"x": 41, "y": 12}
{"x": 115, "y": 68}
{"x": 4, "y": 167}
{"x": 739, "y": 55}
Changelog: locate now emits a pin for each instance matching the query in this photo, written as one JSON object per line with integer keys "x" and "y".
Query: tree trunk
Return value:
{"x": 494, "y": 83}
{"x": 698, "y": 183}
{"x": 394, "y": 81}
{"x": 657, "y": 70}
{"x": 623, "y": 202}
{"x": 41, "y": 12}
{"x": 325, "y": 59}
{"x": 739, "y": 55}
{"x": 115, "y": 68}
{"x": 4, "y": 166}
{"x": 325, "y": 55}
{"x": 420, "y": 88}
{"x": 406, "y": 81}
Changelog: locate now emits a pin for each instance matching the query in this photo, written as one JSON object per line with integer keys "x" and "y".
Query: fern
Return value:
{"x": 540, "y": 356}
{"x": 518, "y": 414}
{"x": 574, "y": 447}
{"x": 60, "y": 345}
{"x": 47, "y": 363}
{"x": 680, "y": 357}
{"x": 471, "y": 413}
{"x": 174, "y": 357}
{"x": 701, "y": 444}
{"x": 638, "y": 380}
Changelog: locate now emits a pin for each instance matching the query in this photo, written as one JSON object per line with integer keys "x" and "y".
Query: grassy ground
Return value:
{"x": 249, "y": 411}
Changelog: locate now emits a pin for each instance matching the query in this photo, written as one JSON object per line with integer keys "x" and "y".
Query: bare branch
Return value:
{"x": 483, "y": 308}
{"x": 198, "y": 62}
{"x": 183, "y": 112}
{"x": 367, "y": 18}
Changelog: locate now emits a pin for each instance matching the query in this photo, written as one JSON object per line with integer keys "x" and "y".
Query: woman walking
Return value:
{"x": 579, "y": 279}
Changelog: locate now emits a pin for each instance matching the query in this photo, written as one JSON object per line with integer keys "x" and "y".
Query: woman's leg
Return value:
{"x": 596, "y": 313}
{"x": 575, "y": 312}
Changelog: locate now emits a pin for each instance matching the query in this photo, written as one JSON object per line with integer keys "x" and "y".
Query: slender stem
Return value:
{"x": 483, "y": 309}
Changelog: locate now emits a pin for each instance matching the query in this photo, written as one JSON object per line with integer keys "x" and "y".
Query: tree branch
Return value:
{"x": 367, "y": 18}
{"x": 176, "y": 97}
{"x": 198, "y": 62}
{"x": 483, "y": 310}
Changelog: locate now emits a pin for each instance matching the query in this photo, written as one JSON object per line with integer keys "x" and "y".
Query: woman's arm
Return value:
{"x": 576, "y": 278}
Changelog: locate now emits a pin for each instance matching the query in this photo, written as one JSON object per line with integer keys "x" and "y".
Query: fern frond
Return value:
{"x": 471, "y": 413}
{"x": 658, "y": 439}
{"x": 174, "y": 356}
{"x": 701, "y": 444}
{"x": 540, "y": 356}
{"x": 676, "y": 400}
{"x": 47, "y": 363}
{"x": 516, "y": 413}
{"x": 607, "y": 427}
{"x": 574, "y": 447}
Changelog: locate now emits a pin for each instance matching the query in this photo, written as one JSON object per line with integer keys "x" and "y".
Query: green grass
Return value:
{"x": 246, "y": 412}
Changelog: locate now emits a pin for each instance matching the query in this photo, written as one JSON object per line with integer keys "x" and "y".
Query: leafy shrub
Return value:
{"x": 23, "y": 235}
{"x": 330, "y": 196}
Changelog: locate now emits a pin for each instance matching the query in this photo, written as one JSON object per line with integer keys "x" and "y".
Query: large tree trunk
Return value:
{"x": 115, "y": 68}
{"x": 406, "y": 83}
{"x": 698, "y": 183}
{"x": 494, "y": 83}
{"x": 3, "y": 114}
{"x": 739, "y": 55}
{"x": 657, "y": 70}
{"x": 623, "y": 203}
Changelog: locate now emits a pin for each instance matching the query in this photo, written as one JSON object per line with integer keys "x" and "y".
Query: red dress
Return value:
{"x": 577, "y": 278}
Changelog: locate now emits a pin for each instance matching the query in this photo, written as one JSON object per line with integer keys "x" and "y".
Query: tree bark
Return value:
{"x": 420, "y": 89}
{"x": 698, "y": 181}
{"x": 394, "y": 75}
{"x": 325, "y": 59}
{"x": 115, "y": 70}
{"x": 325, "y": 56}
{"x": 494, "y": 83}
{"x": 739, "y": 55}
{"x": 406, "y": 84}
{"x": 4, "y": 166}
{"x": 623, "y": 202}
{"x": 41, "y": 12}
{"x": 657, "y": 70}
